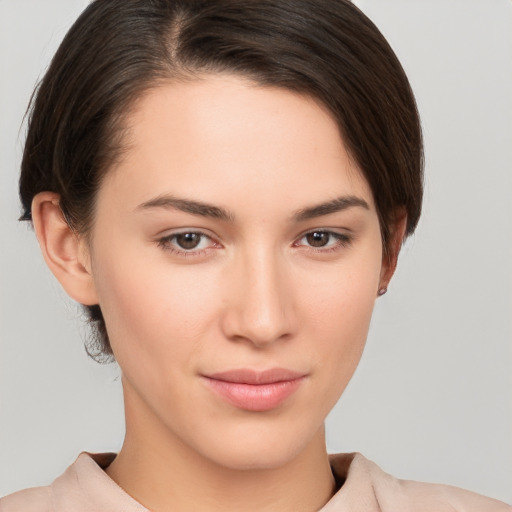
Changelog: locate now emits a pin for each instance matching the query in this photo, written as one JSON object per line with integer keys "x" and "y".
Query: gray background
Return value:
{"x": 432, "y": 399}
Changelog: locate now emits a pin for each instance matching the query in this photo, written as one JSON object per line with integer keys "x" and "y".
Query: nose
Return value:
{"x": 259, "y": 308}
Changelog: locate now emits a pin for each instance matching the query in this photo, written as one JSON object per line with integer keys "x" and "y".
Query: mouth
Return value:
{"x": 255, "y": 390}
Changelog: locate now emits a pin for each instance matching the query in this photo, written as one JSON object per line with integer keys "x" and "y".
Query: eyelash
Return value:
{"x": 166, "y": 243}
{"x": 342, "y": 240}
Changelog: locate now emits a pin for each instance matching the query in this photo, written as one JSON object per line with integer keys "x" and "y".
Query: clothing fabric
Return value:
{"x": 85, "y": 487}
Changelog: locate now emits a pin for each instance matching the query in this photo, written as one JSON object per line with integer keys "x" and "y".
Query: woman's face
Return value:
{"x": 236, "y": 256}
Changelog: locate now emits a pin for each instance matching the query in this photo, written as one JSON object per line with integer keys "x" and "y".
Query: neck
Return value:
{"x": 163, "y": 473}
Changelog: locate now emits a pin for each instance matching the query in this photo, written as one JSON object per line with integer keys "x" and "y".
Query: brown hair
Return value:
{"x": 117, "y": 49}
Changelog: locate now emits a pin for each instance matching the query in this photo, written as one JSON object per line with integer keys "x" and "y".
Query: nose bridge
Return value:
{"x": 262, "y": 311}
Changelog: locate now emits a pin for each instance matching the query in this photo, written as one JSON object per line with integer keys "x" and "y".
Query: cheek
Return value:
{"x": 342, "y": 295}
{"x": 340, "y": 306}
{"x": 161, "y": 316}
{"x": 153, "y": 311}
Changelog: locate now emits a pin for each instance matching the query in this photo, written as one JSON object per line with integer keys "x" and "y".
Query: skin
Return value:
{"x": 254, "y": 294}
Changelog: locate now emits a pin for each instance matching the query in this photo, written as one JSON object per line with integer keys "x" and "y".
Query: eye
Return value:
{"x": 188, "y": 240}
{"x": 318, "y": 238}
{"x": 322, "y": 239}
{"x": 191, "y": 242}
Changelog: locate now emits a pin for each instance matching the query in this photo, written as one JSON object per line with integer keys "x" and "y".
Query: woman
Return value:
{"x": 226, "y": 187}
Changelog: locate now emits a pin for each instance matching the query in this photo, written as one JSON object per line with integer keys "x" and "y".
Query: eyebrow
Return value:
{"x": 216, "y": 212}
{"x": 188, "y": 206}
{"x": 336, "y": 205}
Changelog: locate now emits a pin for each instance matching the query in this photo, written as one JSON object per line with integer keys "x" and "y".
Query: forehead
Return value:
{"x": 223, "y": 136}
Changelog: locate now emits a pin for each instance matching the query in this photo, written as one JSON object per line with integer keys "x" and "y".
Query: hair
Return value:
{"x": 119, "y": 49}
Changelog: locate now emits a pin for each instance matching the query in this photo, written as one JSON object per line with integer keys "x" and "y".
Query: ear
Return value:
{"x": 65, "y": 252}
{"x": 390, "y": 257}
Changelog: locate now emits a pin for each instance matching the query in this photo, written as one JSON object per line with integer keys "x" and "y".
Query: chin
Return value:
{"x": 262, "y": 448}
{"x": 254, "y": 459}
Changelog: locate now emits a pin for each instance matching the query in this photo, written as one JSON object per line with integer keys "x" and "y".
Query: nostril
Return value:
{"x": 260, "y": 297}
{"x": 257, "y": 321}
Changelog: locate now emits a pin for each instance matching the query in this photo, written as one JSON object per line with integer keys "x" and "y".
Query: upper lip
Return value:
{"x": 255, "y": 377}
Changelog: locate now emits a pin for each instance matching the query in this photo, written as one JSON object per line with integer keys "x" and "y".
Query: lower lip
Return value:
{"x": 255, "y": 397}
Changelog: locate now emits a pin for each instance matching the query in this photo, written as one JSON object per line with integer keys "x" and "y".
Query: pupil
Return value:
{"x": 317, "y": 239}
{"x": 188, "y": 240}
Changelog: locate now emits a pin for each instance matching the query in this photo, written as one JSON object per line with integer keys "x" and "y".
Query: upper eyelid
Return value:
{"x": 215, "y": 239}
{"x": 335, "y": 234}
{"x": 334, "y": 231}
{"x": 204, "y": 232}
{"x": 166, "y": 243}
{"x": 168, "y": 234}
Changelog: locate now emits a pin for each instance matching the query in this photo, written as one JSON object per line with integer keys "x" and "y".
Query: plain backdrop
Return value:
{"x": 432, "y": 398}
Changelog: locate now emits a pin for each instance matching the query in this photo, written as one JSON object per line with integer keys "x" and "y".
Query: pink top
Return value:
{"x": 85, "y": 487}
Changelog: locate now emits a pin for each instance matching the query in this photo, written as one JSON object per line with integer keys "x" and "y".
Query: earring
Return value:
{"x": 382, "y": 291}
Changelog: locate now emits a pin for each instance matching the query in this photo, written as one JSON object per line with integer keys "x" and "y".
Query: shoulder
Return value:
{"x": 83, "y": 487}
{"x": 37, "y": 499}
{"x": 366, "y": 484}
{"x": 428, "y": 497}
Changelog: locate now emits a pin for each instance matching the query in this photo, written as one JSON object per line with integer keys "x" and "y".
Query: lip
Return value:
{"x": 253, "y": 390}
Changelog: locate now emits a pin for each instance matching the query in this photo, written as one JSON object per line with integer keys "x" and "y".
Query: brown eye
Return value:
{"x": 189, "y": 243}
{"x": 318, "y": 238}
{"x": 188, "y": 240}
{"x": 324, "y": 241}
